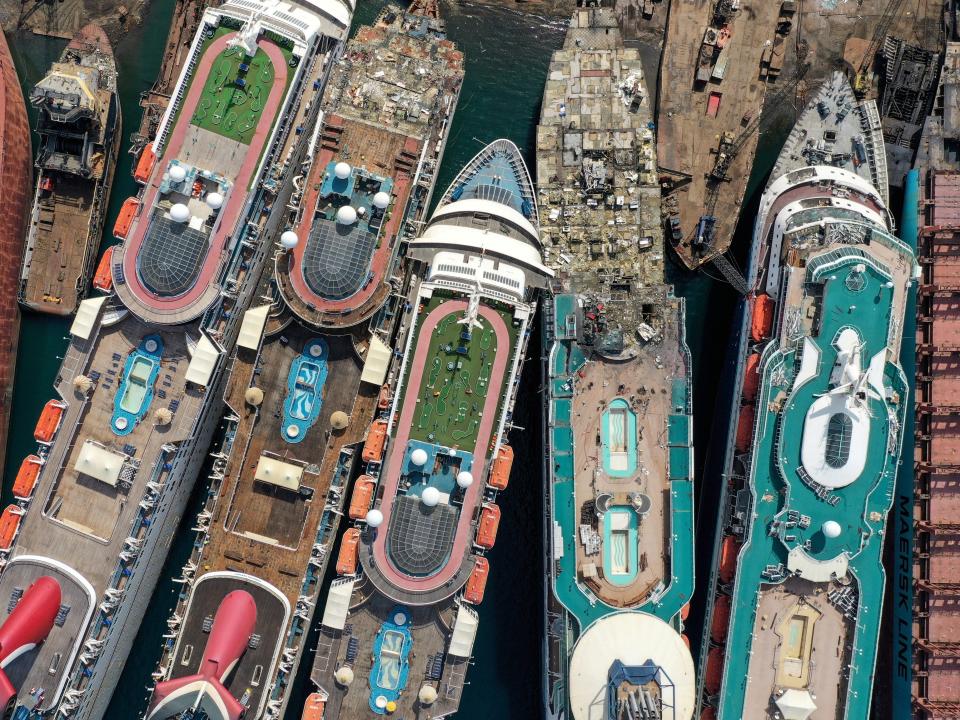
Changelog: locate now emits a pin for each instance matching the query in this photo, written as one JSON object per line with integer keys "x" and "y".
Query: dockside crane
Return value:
{"x": 862, "y": 81}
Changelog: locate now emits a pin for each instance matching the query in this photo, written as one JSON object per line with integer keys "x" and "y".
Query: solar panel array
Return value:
{"x": 171, "y": 257}
{"x": 420, "y": 538}
{"x": 336, "y": 261}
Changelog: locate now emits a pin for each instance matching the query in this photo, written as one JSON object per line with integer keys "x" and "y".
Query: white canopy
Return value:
{"x": 377, "y": 362}
{"x": 203, "y": 362}
{"x": 251, "y": 329}
{"x": 86, "y": 318}
{"x": 796, "y": 704}
{"x": 279, "y": 473}
{"x": 99, "y": 463}
{"x": 464, "y": 632}
{"x": 338, "y": 603}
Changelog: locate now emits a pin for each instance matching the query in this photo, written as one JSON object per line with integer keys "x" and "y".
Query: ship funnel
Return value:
{"x": 26, "y": 627}
{"x": 233, "y": 625}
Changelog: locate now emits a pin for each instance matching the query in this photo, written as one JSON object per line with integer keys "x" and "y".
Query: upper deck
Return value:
{"x": 383, "y": 132}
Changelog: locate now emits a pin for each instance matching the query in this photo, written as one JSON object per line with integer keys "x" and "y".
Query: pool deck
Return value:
{"x": 459, "y": 560}
{"x": 132, "y": 292}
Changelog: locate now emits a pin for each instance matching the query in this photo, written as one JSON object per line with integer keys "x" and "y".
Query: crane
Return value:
{"x": 861, "y": 83}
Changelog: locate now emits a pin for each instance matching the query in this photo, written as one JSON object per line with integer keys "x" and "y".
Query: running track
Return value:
{"x": 236, "y": 196}
{"x": 463, "y": 540}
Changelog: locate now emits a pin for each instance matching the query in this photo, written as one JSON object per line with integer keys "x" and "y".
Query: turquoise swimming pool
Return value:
{"x": 305, "y": 383}
{"x": 620, "y": 545}
{"x": 391, "y": 650}
{"x": 135, "y": 391}
{"x": 618, "y": 439}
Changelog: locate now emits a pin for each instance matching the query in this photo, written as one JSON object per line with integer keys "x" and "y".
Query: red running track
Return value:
{"x": 236, "y": 196}
{"x": 463, "y": 540}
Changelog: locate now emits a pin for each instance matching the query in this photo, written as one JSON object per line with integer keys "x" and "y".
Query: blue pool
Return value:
{"x": 618, "y": 439}
{"x": 620, "y": 545}
{"x": 391, "y": 651}
{"x": 305, "y": 382}
{"x": 135, "y": 391}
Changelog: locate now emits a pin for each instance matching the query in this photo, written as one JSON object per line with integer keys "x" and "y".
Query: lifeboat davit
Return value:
{"x": 349, "y": 552}
{"x": 313, "y": 708}
{"x": 27, "y": 477}
{"x": 751, "y": 377}
{"x": 713, "y": 676}
{"x": 500, "y": 472}
{"x": 721, "y": 619}
{"x": 148, "y": 158}
{"x": 728, "y": 558}
{"x": 761, "y": 322}
{"x": 362, "y": 495}
{"x": 745, "y": 428}
{"x": 477, "y": 582}
{"x": 103, "y": 278}
{"x": 489, "y": 523}
{"x": 9, "y": 524}
{"x": 49, "y": 421}
{"x": 373, "y": 446}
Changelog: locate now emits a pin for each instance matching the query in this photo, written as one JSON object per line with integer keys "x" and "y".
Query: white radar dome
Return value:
{"x": 342, "y": 170}
{"x": 381, "y": 200}
{"x": 346, "y": 215}
{"x": 464, "y": 478}
{"x": 180, "y": 213}
{"x": 374, "y": 518}
{"x": 177, "y": 173}
{"x": 215, "y": 200}
{"x": 361, "y": 211}
{"x": 831, "y": 528}
{"x": 419, "y": 457}
{"x": 289, "y": 239}
{"x": 430, "y": 497}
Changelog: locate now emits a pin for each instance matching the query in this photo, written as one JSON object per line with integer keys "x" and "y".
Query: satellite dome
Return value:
{"x": 180, "y": 213}
{"x": 419, "y": 457}
{"x": 346, "y": 215}
{"x": 342, "y": 170}
{"x": 831, "y": 529}
{"x": 339, "y": 420}
{"x": 177, "y": 173}
{"x": 361, "y": 211}
{"x": 374, "y": 518}
{"x": 254, "y": 396}
{"x": 465, "y": 478}
{"x": 430, "y": 496}
{"x": 215, "y": 200}
{"x": 289, "y": 239}
{"x": 427, "y": 695}
{"x": 381, "y": 200}
{"x": 343, "y": 675}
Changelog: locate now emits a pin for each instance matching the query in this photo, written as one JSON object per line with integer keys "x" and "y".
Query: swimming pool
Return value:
{"x": 135, "y": 391}
{"x": 305, "y": 384}
{"x": 618, "y": 439}
{"x": 391, "y": 650}
{"x": 620, "y": 545}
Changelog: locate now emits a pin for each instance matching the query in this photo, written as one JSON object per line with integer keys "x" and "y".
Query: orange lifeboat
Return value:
{"x": 148, "y": 159}
{"x": 373, "y": 447}
{"x": 477, "y": 582}
{"x": 362, "y": 494}
{"x": 313, "y": 708}
{"x": 713, "y": 676}
{"x": 489, "y": 522}
{"x": 751, "y": 377}
{"x": 49, "y": 421}
{"x": 708, "y": 713}
{"x": 349, "y": 552}
{"x": 27, "y": 476}
{"x": 745, "y": 428}
{"x": 721, "y": 619}
{"x": 9, "y": 524}
{"x": 685, "y": 612}
{"x": 128, "y": 211}
{"x": 728, "y": 558}
{"x": 103, "y": 280}
{"x": 500, "y": 472}
{"x": 761, "y": 322}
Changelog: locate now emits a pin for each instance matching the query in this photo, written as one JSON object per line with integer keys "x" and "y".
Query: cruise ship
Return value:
{"x": 397, "y": 630}
{"x": 308, "y": 376}
{"x": 798, "y": 584}
{"x": 140, "y": 389}
{"x": 618, "y": 470}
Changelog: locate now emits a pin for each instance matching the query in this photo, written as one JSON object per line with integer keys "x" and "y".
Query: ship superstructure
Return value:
{"x": 141, "y": 385}
{"x": 301, "y": 394}
{"x": 398, "y": 627}
{"x": 795, "y": 621}
{"x": 78, "y": 120}
{"x": 619, "y": 468}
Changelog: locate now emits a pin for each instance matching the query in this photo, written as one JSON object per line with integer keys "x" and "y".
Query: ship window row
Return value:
{"x": 502, "y": 279}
